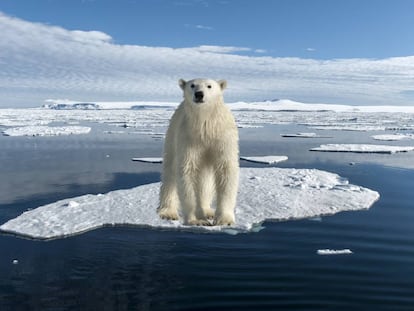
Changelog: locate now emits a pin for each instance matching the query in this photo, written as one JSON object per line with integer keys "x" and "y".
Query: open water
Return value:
{"x": 278, "y": 268}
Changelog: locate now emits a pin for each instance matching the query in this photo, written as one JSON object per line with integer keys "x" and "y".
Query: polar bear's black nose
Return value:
{"x": 198, "y": 95}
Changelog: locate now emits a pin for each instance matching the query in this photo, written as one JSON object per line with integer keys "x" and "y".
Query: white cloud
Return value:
{"x": 220, "y": 49}
{"x": 204, "y": 27}
{"x": 39, "y": 61}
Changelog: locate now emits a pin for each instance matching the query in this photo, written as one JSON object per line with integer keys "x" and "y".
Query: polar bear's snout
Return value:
{"x": 198, "y": 96}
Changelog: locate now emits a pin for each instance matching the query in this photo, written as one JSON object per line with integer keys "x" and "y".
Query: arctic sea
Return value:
{"x": 138, "y": 268}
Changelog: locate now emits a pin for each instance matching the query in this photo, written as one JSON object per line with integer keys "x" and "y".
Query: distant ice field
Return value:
{"x": 320, "y": 124}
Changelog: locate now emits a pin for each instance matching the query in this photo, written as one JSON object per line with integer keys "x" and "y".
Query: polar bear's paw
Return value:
{"x": 208, "y": 213}
{"x": 224, "y": 220}
{"x": 198, "y": 222}
{"x": 168, "y": 214}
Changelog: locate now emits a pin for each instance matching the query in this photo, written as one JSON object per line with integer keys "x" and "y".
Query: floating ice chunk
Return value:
{"x": 304, "y": 135}
{"x": 393, "y": 137}
{"x": 328, "y": 251}
{"x": 148, "y": 160}
{"x": 265, "y": 159}
{"x": 361, "y": 148}
{"x": 40, "y": 130}
{"x": 273, "y": 199}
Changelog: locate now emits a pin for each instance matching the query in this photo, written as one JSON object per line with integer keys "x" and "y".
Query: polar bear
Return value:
{"x": 201, "y": 157}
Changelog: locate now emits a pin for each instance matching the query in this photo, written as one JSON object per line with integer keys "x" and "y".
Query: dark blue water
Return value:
{"x": 126, "y": 268}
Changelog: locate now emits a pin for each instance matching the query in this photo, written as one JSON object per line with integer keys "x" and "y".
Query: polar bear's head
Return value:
{"x": 200, "y": 91}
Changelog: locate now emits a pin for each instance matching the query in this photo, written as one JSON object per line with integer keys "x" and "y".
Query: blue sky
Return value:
{"x": 347, "y": 52}
{"x": 299, "y": 28}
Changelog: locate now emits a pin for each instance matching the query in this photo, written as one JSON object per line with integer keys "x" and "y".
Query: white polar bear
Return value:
{"x": 201, "y": 157}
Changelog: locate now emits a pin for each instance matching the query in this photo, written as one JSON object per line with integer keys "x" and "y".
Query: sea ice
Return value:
{"x": 40, "y": 130}
{"x": 278, "y": 194}
{"x": 265, "y": 159}
{"x": 304, "y": 135}
{"x": 328, "y": 251}
{"x": 362, "y": 148}
{"x": 393, "y": 137}
{"x": 148, "y": 160}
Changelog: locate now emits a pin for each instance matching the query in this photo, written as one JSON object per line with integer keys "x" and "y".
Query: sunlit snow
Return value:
{"x": 279, "y": 194}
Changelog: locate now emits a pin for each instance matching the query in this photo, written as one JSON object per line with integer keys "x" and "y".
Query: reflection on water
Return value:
{"x": 127, "y": 268}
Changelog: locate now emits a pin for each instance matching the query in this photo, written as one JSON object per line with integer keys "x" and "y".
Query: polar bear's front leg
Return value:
{"x": 205, "y": 190}
{"x": 186, "y": 192}
{"x": 227, "y": 181}
{"x": 169, "y": 203}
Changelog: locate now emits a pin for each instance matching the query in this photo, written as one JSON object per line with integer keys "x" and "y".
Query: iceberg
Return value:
{"x": 279, "y": 194}
{"x": 362, "y": 148}
{"x": 40, "y": 130}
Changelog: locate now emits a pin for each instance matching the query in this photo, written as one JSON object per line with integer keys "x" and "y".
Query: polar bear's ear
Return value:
{"x": 181, "y": 83}
{"x": 223, "y": 84}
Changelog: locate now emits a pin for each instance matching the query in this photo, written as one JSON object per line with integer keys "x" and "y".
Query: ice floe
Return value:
{"x": 40, "y": 130}
{"x": 304, "y": 135}
{"x": 261, "y": 159}
{"x": 148, "y": 160}
{"x": 265, "y": 159}
{"x": 328, "y": 251}
{"x": 279, "y": 194}
{"x": 362, "y": 148}
{"x": 393, "y": 137}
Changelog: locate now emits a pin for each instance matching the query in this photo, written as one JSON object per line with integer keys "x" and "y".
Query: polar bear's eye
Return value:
{"x": 192, "y": 86}
{"x": 209, "y": 86}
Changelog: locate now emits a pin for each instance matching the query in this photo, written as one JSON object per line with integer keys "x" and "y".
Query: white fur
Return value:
{"x": 201, "y": 157}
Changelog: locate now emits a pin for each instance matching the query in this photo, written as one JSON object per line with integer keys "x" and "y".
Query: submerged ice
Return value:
{"x": 279, "y": 194}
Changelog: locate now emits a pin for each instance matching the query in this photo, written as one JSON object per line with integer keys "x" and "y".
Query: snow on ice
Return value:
{"x": 280, "y": 194}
